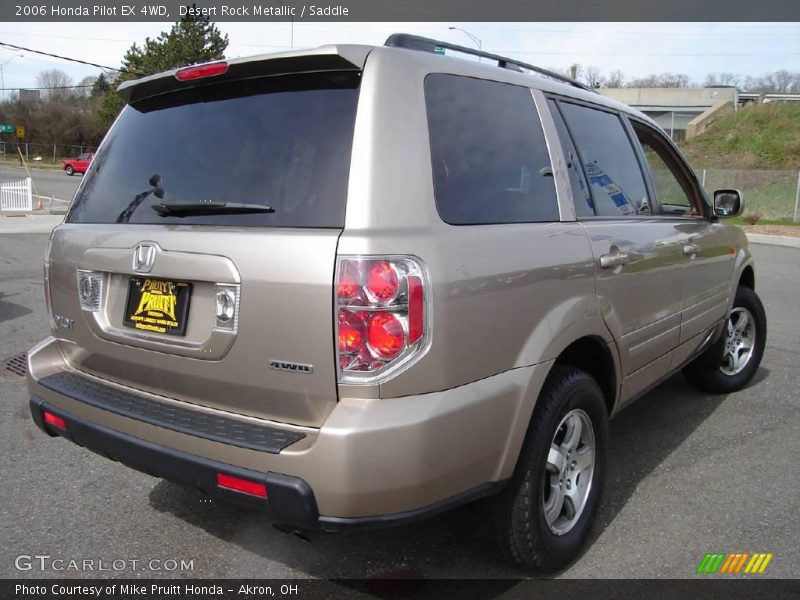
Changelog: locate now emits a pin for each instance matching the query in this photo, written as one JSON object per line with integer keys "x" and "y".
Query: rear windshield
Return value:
{"x": 282, "y": 142}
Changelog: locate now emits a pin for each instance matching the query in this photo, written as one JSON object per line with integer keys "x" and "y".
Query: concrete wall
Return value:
{"x": 699, "y": 124}
{"x": 646, "y": 99}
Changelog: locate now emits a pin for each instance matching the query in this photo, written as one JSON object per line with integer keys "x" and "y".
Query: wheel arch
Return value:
{"x": 595, "y": 356}
{"x": 748, "y": 277}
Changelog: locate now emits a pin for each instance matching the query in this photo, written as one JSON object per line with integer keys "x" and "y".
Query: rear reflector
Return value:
{"x": 55, "y": 421}
{"x": 229, "y": 482}
{"x": 200, "y": 71}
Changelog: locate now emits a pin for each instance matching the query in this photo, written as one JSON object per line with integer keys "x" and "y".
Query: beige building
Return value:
{"x": 674, "y": 108}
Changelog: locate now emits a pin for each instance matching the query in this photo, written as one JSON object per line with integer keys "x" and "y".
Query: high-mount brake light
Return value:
{"x": 382, "y": 316}
{"x": 201, "y": 71}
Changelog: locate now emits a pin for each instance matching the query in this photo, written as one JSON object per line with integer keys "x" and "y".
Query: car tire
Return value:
{"x": 730, "y": 364}
{"x": 534, "y": 521}
{"x": 69, "y": 170}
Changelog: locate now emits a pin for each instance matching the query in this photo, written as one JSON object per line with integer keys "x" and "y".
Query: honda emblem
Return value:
{"x": 143, "y": 258}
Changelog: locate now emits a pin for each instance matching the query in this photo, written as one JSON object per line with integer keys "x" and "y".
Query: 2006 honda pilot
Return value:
{"x": 361, "y": 285}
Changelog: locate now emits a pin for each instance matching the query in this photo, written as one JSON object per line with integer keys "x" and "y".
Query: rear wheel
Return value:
{"x": 69, "y": 170}
{"x": 730, "y": 364}
{"x": 541, "y": 518}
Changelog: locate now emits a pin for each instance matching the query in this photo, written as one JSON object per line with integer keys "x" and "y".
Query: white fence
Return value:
{"x": 16, "y": 195}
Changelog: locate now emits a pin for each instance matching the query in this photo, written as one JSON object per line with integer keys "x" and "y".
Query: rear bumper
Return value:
{"x": 373, "y": 462}
{"x": 290, "y": 500}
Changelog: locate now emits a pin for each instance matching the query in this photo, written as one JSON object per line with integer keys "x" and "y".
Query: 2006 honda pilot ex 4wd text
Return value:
{"x": 361, "y": 285}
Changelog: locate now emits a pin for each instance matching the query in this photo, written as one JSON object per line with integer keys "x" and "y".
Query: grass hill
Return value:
{"x": 758, "y": 136}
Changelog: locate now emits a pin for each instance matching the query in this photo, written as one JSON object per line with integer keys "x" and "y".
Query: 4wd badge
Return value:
{"x": 292, "y": 367}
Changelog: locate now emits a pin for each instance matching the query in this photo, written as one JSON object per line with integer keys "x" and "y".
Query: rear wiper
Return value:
{"x": 188, "y": 209}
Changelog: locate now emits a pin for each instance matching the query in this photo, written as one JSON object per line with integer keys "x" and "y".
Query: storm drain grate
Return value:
{"x": 16, "y": 365}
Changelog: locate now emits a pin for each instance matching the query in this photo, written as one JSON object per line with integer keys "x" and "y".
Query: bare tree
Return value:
{"x": 616, "y": 79}
{"x": 714, "y": 79}
{"x": 778, "y": 82}
{"x": 57, "y": 84}
{"x": 662, "y": 80}
{"x": 87, "y": 84}
{"x": 593, "y": 77}
{"x": 674, "y": 80}
{"x": 785, "y": 81}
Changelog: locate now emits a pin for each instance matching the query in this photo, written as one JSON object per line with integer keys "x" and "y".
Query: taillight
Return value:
{"x": 226, "y": 306}
{"x": 201, "y": 71}
{"x": 90, "y": 289}
{"x": 382, "y": 281}
{"x": 382, "y": 320}
{"x": 351, "y": 331}
{"x": 385, "y": 335}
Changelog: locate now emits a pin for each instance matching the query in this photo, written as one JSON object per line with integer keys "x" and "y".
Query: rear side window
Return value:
{"x": 283, "y": 142}
{"x": 615, "y": 177}
{"x": 488, "y": 152}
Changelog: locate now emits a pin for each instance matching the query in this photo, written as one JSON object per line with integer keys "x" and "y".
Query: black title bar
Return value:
{"x": 404, "y": 10}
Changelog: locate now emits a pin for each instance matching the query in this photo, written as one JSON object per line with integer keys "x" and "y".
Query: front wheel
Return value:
{"x": 541, "y": 518}
{"x": 729, "y": 365}
{"x": 69, "y": 170}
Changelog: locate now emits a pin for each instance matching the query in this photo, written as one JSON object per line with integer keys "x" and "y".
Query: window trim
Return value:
{"x": 558, "y": 100}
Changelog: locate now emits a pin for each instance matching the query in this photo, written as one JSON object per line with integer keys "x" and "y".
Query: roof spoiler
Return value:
{"x": 325, "y": 58}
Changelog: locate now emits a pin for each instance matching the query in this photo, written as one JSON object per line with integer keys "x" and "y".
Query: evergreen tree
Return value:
{"x": 192, "y": 40}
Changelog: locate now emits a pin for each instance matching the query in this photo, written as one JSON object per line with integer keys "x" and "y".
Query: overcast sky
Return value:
{"x": 638, "y": 49}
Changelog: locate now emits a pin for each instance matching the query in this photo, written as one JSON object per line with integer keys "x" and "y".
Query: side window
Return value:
{"x": 584, "y": 207}
{"x": 673, "y": 190}
{"x": 615, "y": 178}
{"x": 488, "y": 152}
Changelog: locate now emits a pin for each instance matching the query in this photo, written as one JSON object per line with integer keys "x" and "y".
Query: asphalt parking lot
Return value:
{"x": 689, "y": 474}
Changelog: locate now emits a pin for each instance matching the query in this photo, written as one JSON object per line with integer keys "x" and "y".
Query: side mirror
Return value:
{"x": 728, "y": 203}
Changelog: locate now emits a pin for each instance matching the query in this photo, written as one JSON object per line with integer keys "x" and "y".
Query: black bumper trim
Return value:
{"x": 333, "y": 524}
{"x": 290, "y": 499}
{"x": 201, "y": 424}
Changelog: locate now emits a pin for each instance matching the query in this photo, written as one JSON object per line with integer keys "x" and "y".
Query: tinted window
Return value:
{"x": 615, "y": 178}
{"x": 490, "y": 160}
{"x": 283, "y": 142}
{"x": 671, "y": 187}
{"x": 584, "y": 207}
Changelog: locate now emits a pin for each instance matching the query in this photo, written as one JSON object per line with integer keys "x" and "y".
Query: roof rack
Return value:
{"x": 423, "y": 44}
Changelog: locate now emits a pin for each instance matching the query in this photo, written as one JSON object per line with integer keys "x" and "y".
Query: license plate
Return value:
{"x": 157, "y": 305}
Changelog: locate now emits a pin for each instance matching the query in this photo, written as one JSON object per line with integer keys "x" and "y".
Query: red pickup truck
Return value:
{"x": 77, "y": 165}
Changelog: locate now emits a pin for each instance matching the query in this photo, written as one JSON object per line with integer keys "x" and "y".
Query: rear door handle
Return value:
{"x": 609, "y": 261}
{"x": 690, "y": 249}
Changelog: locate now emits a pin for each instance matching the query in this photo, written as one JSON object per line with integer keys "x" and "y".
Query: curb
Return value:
{"x": 29, "y": 223}
{"x": 774, "y": 240}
